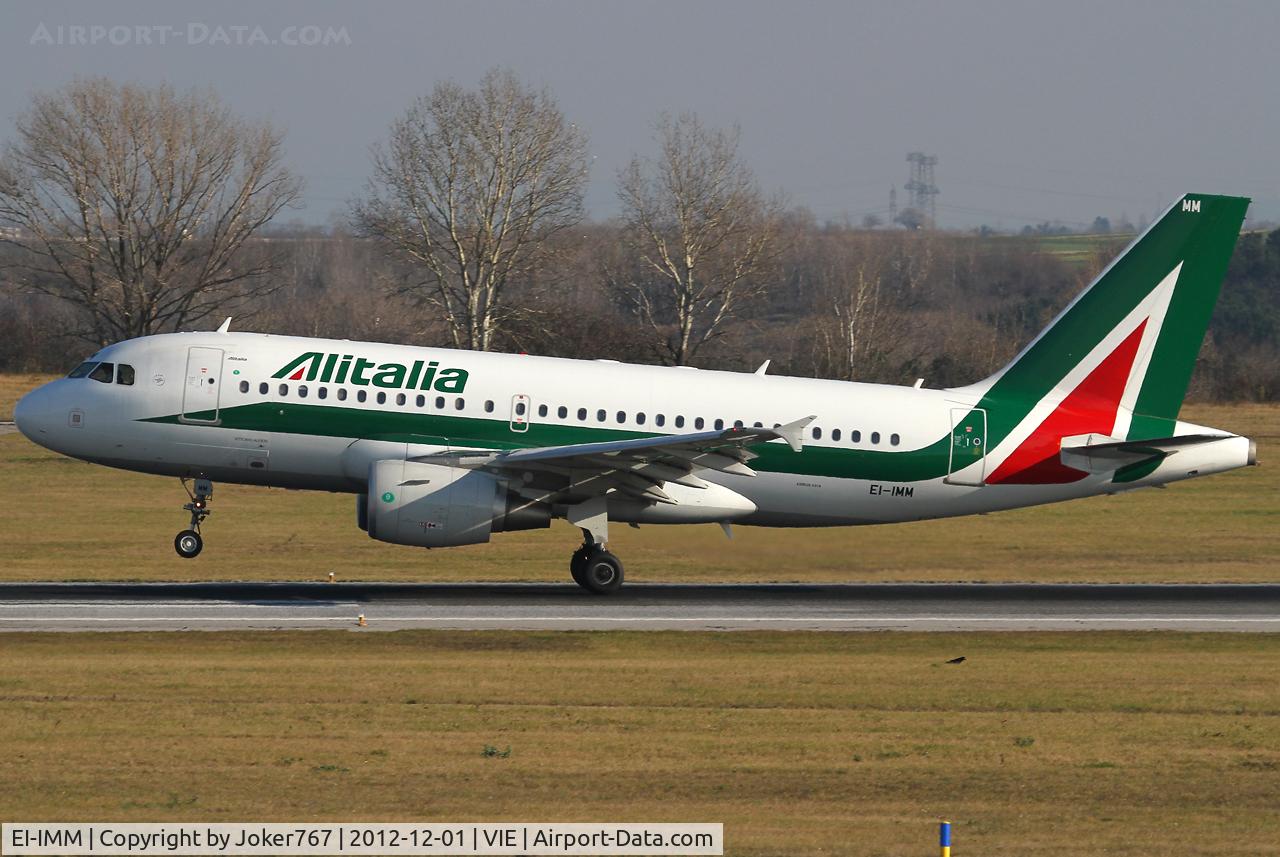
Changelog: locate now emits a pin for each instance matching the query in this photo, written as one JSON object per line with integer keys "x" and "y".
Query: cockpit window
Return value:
{"x": 105, "y": 372}
{"x": 124, "y": 374}
{"x": 83, "y": 369}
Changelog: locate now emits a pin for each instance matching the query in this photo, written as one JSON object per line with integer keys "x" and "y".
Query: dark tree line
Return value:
{"x": 884, "y": 306}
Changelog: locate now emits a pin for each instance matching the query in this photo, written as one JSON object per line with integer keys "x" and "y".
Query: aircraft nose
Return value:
{"x": 32, "y": 414}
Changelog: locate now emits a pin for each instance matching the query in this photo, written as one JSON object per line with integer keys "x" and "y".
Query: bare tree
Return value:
{"x": 855, "y": 314}
{"x": 867, "y": 291}
{"x": 700, "y": 233}
{"x": 131, "y": 203}
{"x": 468, "y": 189}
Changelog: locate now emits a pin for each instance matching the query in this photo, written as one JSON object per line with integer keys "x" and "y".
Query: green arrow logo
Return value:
{"x": 388, "y": 497}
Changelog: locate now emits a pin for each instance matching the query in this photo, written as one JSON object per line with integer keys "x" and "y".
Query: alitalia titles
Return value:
{"x": 348, "y": 369}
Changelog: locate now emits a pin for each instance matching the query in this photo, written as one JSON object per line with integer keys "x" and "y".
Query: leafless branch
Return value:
{"x": 132, "y": 203}
{"x": 468, "y": 188}
{"x": 701, "y": 235}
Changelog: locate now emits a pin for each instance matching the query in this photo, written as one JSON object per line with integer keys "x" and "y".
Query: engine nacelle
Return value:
{"x": 432, "y": 505}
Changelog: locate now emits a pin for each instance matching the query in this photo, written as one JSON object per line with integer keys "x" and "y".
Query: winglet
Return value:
{"x": 793, "y": 433}
{"x": 764, "y": 367}
{"x": 225, "y": 327}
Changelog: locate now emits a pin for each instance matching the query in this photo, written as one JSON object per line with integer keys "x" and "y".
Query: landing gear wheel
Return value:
{"x": 602, "y": 573}
{"x": 188, "y": 544}
{"x": 578, "y": 564}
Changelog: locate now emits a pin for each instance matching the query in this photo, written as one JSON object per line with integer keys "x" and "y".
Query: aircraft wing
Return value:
{"x": 1102, "y": 454}
{"x": 638, "y": 467}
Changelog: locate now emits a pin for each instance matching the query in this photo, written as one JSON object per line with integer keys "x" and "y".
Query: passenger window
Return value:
{"x": 361, "y": 395}
{"x": 699, "y": 423}
{"x": 519, "y": 409}
{"x": 817, "y": 433}
{"x": 737, "y": 424}
{"x": 622, "y": 417}
{"x": 759, "y": 425}
{"x": 284, "y": 389}
{"x": 639, "y": 419}
{"x": 660, "y": 420}
{"x": 302, "y": 391}
{"x": 679, "y": 422}
{"x": 104, "y": 372}
{"x": 856, "y": 437}
{"x": 322, "y": 392}
{"x": 459, "y": 404}
{"x": 601, "y": 416}
{"x": 719, "y": 425}
{"x": 263, "y": 388}
{"x": 244, "y": 386}
{"x": 400, "y": 398}
{"x": 542, "y": 410}
{"x": 342, "y": 394}
{"x": 488, "y": 406}
{"x": 582, "y": 414}
{"x": 875, "y": 437}
{"x": 82, "y": 370}
{"x": 124, "y": 374}
{"x": 894, "y": 440}
{"x": 835, "y": 434}
{"x": 382, "y": 398}
{"x": 421, "y": 401}
{"x": 440, "y": 402}
{"x": 562, "y": 412}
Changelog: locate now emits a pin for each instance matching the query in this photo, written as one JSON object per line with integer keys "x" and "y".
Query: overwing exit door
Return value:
{"x": 200, "y": 392}
{"x": 520, "y": 415}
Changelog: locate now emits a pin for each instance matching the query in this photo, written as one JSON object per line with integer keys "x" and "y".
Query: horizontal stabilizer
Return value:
{"x": 1096, "y": 453}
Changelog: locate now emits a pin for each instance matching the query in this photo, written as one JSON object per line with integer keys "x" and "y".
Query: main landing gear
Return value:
{"x": 595, "y": 569}
{"x": 188, "y": 543}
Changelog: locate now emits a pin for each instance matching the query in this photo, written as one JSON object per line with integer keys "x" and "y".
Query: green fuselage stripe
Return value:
{"x": 433, "y": 429}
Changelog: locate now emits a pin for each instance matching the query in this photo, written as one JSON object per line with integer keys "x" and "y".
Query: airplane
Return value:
{"x": 445, "y": 447}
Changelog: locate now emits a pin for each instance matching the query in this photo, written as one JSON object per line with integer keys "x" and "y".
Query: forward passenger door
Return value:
{"x": 200, "y": 391}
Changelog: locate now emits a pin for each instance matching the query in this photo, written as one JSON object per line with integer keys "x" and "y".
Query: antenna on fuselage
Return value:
{"x": 225, "y": 326}
{"x": 764, "y": 367}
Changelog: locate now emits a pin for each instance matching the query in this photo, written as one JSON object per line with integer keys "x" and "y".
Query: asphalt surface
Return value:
{"x": 853, "y": 607}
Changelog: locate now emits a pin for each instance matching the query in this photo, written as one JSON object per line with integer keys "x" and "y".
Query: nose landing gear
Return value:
{"x": 188, "y": 543}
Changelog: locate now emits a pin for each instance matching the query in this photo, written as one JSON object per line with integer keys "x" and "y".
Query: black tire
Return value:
{"x": 188, "y": 544}
{"x": 578, "y": 564}
{"x": 602, "y": 573}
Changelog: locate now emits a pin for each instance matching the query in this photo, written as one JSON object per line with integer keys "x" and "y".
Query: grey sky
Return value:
{"x": 1036, "y": 111}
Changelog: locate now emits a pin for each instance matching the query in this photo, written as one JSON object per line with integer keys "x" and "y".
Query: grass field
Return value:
{"x": 800, "y": 743}
{"x": 68, "y": 520}
{"x": 1081, "y": 250}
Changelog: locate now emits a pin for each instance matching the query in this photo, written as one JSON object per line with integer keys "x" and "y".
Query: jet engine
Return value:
{"x": 434, "y": 506}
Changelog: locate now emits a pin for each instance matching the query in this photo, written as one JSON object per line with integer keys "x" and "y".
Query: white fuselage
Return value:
{"x": 874, "y": 453}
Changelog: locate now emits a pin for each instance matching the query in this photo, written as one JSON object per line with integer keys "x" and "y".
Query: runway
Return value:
{"x": 638, "y": 606}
